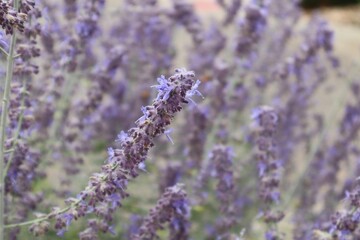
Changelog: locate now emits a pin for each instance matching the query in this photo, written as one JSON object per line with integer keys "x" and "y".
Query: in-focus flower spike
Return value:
{"x": 129, "y": 158}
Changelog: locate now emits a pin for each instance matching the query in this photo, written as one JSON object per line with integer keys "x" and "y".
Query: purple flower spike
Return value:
{"x": 107, "y": 189}
{"x": 173, "y": 208}
{"x": 267, "y": 121}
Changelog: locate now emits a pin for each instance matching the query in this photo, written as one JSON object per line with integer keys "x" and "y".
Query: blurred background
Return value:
{"x": 342, "y": 15}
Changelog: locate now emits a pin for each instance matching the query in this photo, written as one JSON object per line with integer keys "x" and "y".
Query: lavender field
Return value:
{"x": 179, "y": 119}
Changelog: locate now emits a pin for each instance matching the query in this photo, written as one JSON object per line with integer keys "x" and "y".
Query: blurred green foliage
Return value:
{"x": 326, "y": 3}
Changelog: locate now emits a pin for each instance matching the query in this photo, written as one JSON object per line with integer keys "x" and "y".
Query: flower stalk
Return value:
{"x": 17, "y": 132}
{"x": 3, "y": 51}
{"x": 4, "y": 113}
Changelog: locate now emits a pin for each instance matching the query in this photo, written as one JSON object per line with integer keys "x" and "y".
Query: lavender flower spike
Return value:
{"x": 270, "y": 170}
{"x": 172, "y": 207}
{"x": 124, "y": 163}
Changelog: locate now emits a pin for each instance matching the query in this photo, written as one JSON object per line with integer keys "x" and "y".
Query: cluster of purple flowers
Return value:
{"x": 172, "y": 208}
{"x": 269, "y": 165}
{"x": 11, "y": 18}
{"x": 109, "y": 186}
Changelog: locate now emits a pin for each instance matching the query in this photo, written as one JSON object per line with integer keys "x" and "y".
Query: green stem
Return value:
{"x": 17, "y": 131}
{"x": 4, "y": 113}
{"x": 37, "y": 220}
{"x": 4, "y": 52}
{"x": 26, "y": 223}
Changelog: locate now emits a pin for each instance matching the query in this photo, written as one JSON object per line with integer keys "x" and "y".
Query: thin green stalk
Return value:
{"x": 17, "y": 131}
{"x": 4, "y": 115}
{"x": 3, "y": 51}
{"x": 41, "y": 219}
{"x": 27, "y": 222}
